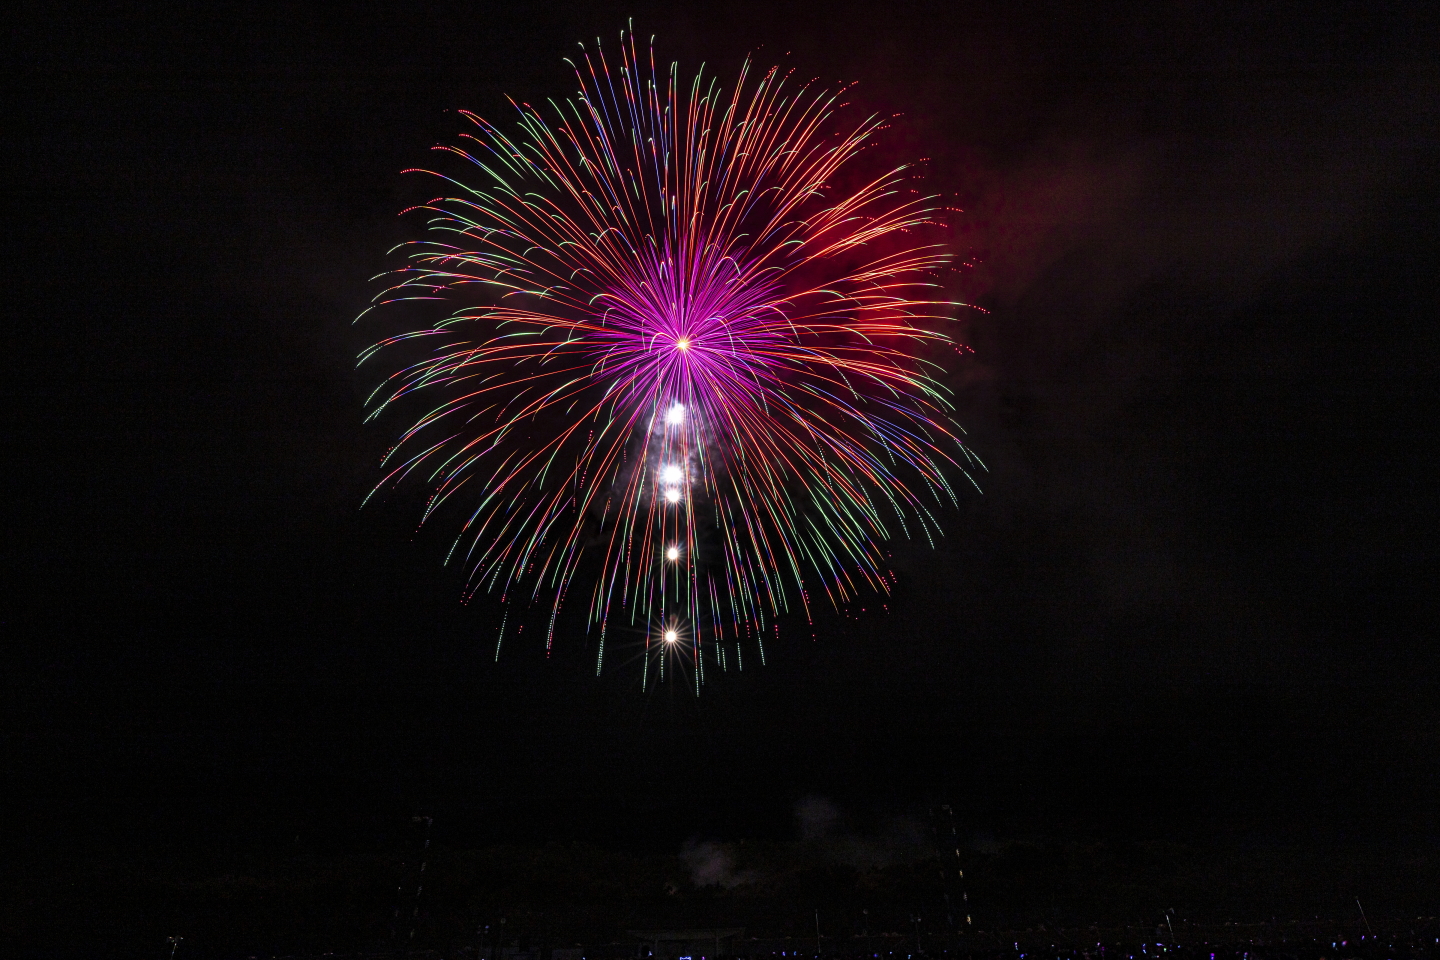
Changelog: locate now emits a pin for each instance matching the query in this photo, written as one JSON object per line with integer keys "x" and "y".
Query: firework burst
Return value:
{"x": 676, "y": 364}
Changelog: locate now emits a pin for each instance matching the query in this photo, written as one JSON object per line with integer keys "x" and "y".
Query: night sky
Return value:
{"x": 1196, "y": 598}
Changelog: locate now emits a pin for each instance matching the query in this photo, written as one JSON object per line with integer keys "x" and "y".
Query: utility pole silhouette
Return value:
{"x": 414, "y": 903}
{"x": 420, "y": 882}
{"x": 952, "y": 874}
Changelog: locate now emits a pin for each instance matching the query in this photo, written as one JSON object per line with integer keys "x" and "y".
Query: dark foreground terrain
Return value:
{"x": 865, "y": 896}
{"x": 1315, "y": 940}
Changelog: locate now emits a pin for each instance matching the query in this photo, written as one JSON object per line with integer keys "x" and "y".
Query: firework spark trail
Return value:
{"x": 679, "y": 358}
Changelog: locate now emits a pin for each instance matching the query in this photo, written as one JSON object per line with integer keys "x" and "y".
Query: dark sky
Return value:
{"x": 1196, "y": 597}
